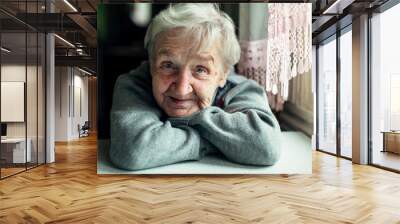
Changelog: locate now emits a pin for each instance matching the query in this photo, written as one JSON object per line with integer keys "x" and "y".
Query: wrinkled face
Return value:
{"x": 185, "y": 76}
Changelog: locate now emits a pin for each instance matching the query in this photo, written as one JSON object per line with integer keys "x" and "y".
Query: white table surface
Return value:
{"x": 296, "y": 158}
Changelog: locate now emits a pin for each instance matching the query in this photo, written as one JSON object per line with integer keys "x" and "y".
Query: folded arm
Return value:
{"x": 139, "y": 139}
{"x": 245, "y": 130}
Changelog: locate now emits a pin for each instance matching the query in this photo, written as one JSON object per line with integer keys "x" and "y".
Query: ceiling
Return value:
{"x": 331, "y": 15}
{"x": 72, "y": 20}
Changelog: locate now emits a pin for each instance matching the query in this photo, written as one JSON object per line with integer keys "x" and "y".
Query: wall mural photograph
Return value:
{"x": 203, "y": 88}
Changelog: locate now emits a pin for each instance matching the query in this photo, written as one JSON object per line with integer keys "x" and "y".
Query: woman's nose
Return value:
{"x": 183, "y": 84}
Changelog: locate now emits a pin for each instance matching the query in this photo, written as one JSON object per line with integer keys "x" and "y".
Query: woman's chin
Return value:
{"x": 179, "y": 112}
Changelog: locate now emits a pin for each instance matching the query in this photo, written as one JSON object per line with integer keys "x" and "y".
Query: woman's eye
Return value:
{"x": 201, "y": 70}
{"x": 167, "y": 65}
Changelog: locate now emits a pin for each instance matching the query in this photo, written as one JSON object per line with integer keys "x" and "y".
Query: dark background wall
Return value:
{"x": 120, "y": 49}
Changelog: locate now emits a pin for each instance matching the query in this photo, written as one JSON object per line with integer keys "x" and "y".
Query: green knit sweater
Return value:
{"x": 239, "y": 124}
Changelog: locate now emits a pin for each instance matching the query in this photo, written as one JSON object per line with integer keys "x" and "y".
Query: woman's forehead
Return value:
{"x": 178, "y": 40}
{"x": 207, "y": 56}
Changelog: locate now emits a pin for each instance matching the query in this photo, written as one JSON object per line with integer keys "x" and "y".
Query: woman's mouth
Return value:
{"x": 178, "y": 103}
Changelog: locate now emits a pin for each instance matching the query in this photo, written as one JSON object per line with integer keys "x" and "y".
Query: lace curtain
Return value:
{"x": 279, "y": 53}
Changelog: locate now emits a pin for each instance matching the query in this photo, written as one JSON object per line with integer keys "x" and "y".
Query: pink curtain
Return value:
{"x": 285, "y": 53}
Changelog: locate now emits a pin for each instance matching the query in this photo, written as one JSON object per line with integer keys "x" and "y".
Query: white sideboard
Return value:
{"x": 17, "y": 145}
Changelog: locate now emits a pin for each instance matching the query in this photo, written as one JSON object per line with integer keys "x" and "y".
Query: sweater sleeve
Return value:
{"x": 245, "y": 130}
{"x": 139, "y": 137}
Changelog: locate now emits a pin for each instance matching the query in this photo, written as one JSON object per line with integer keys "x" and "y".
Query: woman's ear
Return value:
{"x": 222, "y": 79}
{"x": 226, "y": 71}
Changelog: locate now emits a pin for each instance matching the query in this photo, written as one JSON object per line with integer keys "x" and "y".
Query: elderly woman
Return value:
{"x": 186, "y": 102}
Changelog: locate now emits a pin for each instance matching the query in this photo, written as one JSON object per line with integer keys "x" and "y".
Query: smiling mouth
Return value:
{"x": 179, "y": 103}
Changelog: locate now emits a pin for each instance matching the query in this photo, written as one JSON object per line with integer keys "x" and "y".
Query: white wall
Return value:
{"x": 33, "y": 126}
{"x": 16, "y": 72}
{"x": 62, "y": 81}
{"x": 70, "y": 83}
{"x": 13, "y": 72}
{"x": 79, "y": 117}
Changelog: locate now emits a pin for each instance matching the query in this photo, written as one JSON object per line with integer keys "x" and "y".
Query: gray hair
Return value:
{"x": 206, "y": 19}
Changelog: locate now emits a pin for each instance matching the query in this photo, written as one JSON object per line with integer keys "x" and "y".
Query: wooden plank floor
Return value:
{"x": 70, "y": 191}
